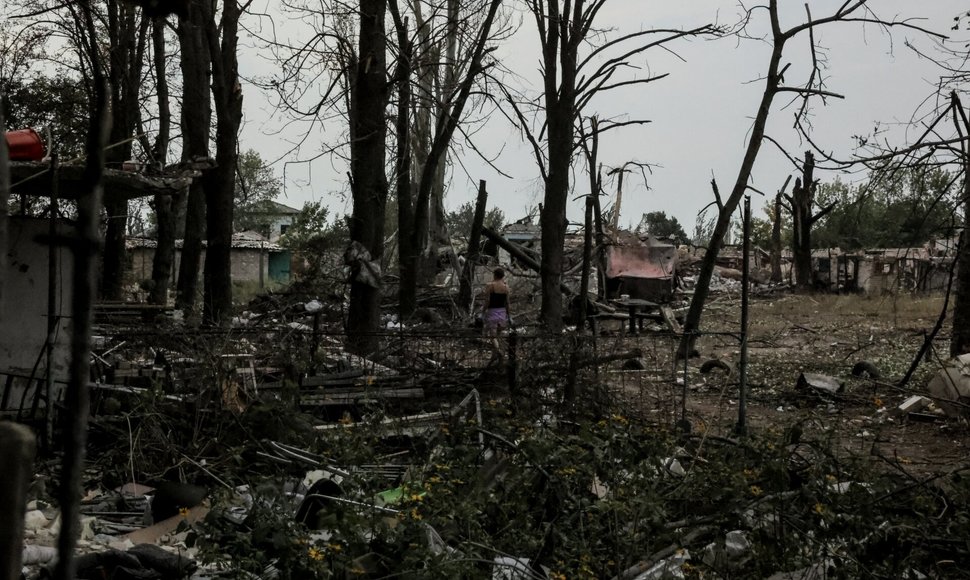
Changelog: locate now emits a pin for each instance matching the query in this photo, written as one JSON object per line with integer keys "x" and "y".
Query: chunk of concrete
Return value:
{"x": 823, "y": 384}
{"x": 35, "y": 520}
{"x": 914, "y": 404}
{"x": 951, "y": 387}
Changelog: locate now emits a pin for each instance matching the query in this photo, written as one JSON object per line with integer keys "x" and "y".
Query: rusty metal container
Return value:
{"x": 24, "y": 145}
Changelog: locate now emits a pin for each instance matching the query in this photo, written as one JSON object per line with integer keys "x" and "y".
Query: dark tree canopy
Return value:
{"x": 56, "y": 103}
{"x": 256, "y": 187}
{"x": 902, "y": 212}
{"x": 459, "y": 221}
{"x": 659, "y": 225}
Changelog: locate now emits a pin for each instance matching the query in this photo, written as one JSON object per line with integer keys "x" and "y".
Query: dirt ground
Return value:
{"x": 829, "y": 334}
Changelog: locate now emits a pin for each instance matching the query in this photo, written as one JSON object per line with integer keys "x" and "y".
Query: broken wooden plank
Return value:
{"x": 667, "y": 313}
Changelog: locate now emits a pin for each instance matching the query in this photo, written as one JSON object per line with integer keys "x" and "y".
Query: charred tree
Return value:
{"x": 368, "y": 132}
{"x": 220, "y": 182}
{"x": 802, "y": 202}
{"x": 195, "y": 123}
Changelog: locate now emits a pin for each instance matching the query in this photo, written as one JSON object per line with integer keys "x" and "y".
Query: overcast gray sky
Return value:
{"x": 700, "y": 114}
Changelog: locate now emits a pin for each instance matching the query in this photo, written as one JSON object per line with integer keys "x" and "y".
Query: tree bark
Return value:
{"x": 472, "y": 256}
{"x": 195, "y": 123}
{"x": 367, "y": 156}
{"x": 221, "y": 181}
{"x": 960, "y": 338}
{"x": 776, "y": 241}
{"x": 802, "y": 199}
{"x": 560, "y": 107}
{"x": 164, "y": 204}
{"x": 407, "y": 293}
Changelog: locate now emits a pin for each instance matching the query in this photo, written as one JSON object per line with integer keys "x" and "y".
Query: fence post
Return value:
{"x": 17, "y": 448}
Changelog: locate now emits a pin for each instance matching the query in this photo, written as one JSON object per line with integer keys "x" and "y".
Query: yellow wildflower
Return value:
{"x": 314, "y": 554}
{"x": 819, "y": 509}
{"x": 755, "y": 490}
{"x": 184, "y": 512}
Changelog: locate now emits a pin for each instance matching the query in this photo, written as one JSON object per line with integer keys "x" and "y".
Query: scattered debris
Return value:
{"x": 866, "y": 369}
{"x": 670, "y": 568}
{"x": 913, "y": 404}
{"x": 820, "y": 383}
{"x": 951, "y": 386}
{"x": 715, "y": 364}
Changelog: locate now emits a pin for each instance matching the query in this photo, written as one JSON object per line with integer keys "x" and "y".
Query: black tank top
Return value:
{"x": 498, "y": 300}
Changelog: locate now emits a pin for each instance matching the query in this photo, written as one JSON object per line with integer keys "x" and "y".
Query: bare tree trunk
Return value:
{"x": 195, "y": 122}
{"x": 127, "y": 33}
{"x": 472, "y": 256}
{"x": 960, "y": 338}
{"x": 802, "y": 199}
{"x": 221, "y": 181}
{"x": 164, "y": 205}
{"x": 560, "y": 46}
{"x": 587, "y": 258}
{"x": 369, "y": 184}
{"x": 776, "y": 240}
{"x": 726, "y": 210}
{"x": 407, "y": 293}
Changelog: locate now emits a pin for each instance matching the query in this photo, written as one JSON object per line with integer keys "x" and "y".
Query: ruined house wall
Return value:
{"x": 23, "y": 313}
{"x": 247, "y": 264}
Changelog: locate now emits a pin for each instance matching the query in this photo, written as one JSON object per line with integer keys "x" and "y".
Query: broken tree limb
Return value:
{"x": 30, "y": 178}
{"x": 519, "y": 254}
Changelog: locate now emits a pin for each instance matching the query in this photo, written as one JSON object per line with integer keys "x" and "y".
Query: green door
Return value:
{"x": 279, "y": 266}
